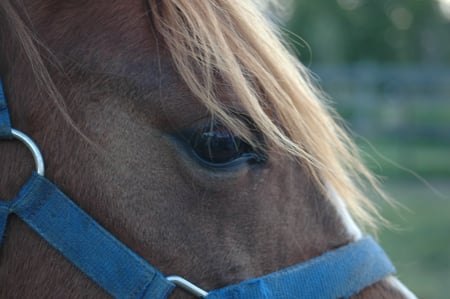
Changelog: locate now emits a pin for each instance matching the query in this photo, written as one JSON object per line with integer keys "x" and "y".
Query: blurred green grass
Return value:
{"x": 420, "y": 244}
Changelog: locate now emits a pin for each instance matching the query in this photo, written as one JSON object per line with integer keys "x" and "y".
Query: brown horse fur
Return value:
{"x": 108, "y": 146}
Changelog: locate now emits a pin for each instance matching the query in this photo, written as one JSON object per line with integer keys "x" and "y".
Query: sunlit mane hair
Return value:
{"x": 230, "y": 43}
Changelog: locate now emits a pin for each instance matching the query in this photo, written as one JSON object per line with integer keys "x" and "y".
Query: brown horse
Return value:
{"x": 187, "y": 130}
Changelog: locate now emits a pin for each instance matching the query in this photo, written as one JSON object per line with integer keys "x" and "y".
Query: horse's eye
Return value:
{"x": 217, "y": 146}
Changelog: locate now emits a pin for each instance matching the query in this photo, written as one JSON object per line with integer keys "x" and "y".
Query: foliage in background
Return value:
{"x": 384, "y": 63}
{"x": 400, "y": 31}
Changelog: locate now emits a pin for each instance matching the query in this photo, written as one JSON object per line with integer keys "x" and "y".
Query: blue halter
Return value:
{"x": 5, "y": 123}
{"x": 122, "y": 273}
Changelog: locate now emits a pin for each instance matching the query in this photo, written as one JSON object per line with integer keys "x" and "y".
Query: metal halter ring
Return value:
{"x": 31, "y": 145}
{"x": 187, "y": 286}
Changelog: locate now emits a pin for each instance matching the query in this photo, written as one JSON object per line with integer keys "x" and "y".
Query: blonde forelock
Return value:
{"x": 230, "y": 43}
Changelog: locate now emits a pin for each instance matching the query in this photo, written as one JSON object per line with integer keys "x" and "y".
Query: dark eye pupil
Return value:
{"x": 218, "y": 145}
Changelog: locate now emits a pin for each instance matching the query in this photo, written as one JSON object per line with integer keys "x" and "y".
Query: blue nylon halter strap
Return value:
{"x": 125, "y": 275}
{"x": 91, "y": 248}
{"x": 340, "y": 273}
{"x": 5, "y": 123}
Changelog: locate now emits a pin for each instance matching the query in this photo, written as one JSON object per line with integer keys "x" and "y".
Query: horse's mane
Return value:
{"x": 229, "y": 45}
{"x": 232, "y": 38}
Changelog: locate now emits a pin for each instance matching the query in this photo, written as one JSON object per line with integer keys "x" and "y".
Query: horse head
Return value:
{"x": 187, "y": 130}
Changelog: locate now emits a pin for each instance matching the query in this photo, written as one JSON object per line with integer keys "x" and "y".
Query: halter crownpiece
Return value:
{"x": 122, "y": 273}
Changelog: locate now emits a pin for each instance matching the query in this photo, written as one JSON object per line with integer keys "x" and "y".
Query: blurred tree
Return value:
{"x": 340, "y": 31}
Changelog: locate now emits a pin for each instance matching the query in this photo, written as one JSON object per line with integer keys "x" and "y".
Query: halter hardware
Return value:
{"x": 34, "y": 149}
{"x": 187, "y": 286}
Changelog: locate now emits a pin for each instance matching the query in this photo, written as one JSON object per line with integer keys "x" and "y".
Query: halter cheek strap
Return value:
{"x": 124, "y": 274}
{"x": 5, "y": 123}
{"x": 58, "y": 220}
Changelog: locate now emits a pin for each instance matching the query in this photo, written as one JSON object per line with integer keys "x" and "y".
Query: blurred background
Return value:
{"x": 386, "y": 66}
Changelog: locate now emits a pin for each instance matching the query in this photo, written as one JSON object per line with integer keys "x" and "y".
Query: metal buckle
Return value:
{"x": 187, "y": 286}
{"x": 31, "y": 145}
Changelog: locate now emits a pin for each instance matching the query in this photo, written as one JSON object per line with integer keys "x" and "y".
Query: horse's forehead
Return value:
{"x": 118, "y": 40}
{"x": 100, "y": 36}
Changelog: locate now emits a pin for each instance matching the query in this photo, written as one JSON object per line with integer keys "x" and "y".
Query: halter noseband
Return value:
{"x": 122, "y": 273}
